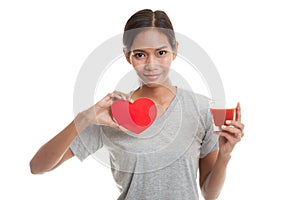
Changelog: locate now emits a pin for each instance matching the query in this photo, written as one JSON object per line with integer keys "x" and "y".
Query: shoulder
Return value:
{"x": 191, "y": 98}
{"x": 196, "y": 106}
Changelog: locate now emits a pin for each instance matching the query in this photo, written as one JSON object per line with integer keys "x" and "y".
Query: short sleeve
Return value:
{"x": 210, "y": 141}
{"x": 87, "y": 142}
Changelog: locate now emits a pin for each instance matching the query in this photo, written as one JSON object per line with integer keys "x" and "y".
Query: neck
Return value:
{"x": 160, "y": 94}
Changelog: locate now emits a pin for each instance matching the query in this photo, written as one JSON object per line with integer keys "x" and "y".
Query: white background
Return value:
{"x": 254, "y": 44}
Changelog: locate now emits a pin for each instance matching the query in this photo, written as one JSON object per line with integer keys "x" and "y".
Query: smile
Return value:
{"x": 152, "y": 77}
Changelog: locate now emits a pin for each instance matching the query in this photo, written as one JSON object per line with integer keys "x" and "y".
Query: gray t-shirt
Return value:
{"x": 161, "y": 162}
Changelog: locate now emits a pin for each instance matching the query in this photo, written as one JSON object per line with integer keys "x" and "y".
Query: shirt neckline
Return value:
{"x": 150, "y": 131}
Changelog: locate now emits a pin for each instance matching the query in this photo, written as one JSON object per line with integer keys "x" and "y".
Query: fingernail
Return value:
{"x": 228, "y": 121}
{"x": 223, "y": 126}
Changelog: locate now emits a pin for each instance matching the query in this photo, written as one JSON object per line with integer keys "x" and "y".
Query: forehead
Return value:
{"x": 150, "y": 39}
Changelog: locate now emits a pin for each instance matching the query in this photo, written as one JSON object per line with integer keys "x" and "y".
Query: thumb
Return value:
{"x": 114, "y": 125}
{"x": 238, "y": 113}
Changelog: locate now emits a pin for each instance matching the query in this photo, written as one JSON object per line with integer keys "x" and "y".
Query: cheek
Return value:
{"x": 166, "y": 62}
{"x": 137, "y": 65}
{"x": 137, "y": 62}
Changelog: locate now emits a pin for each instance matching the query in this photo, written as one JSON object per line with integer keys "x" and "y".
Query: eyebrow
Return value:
{"x": 141, "y": 50}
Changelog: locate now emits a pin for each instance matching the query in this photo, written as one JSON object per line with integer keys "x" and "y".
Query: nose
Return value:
{"x": 150, "y": 63}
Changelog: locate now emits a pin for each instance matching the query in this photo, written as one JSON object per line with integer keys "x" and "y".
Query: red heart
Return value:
{"x": 136, "y": 116}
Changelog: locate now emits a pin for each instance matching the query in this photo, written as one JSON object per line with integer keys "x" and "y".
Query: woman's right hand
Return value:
{"x": 57, "y": 150}
{"x": 100, "y": 113}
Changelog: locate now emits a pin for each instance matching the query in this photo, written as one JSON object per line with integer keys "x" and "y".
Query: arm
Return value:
{"x": 212, "y": 174}
{"x": 213, "y": 166}
{"x": 57, "y": 150}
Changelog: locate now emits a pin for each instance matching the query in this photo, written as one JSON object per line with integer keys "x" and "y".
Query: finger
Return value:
{"x": 116, "y": 96}
{"x": 238, "y": 113}
{"x": 130, "y": 99}
{"x": 123, "y": 95}
{"x": 126, "y": 97}
{"x": 115, "y": 125}
{"x": 233, "y": 131}
{"x": 105, "y": 102}
{"x": 230, "y": 138}
{"x": 118, "y": 126}
{"x": 236, "y": 124}
{"x": 106, "y": 98}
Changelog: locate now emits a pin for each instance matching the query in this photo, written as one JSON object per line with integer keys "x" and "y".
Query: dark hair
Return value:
{"x": 146, "y": 19}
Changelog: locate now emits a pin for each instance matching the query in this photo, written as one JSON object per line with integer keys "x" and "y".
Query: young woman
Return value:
{"x": 162, "y": 162}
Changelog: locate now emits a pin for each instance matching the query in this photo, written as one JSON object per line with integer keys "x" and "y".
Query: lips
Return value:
{"x": 152, "y": 77}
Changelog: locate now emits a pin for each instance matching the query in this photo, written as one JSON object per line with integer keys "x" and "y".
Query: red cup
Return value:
{"x": 220, "y": 115}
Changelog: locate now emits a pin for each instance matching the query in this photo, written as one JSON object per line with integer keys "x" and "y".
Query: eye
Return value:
{"x": 162, "y": 52}
{"x": 139, "y": 55}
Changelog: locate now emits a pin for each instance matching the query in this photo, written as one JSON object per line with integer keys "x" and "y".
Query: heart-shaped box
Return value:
{"x": 136, "y": 116}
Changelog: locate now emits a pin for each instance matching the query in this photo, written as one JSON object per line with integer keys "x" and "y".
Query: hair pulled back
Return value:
{"x": 144, "y": 19}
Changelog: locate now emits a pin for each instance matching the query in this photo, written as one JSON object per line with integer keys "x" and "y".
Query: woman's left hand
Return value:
{"x": 231, "y": 133}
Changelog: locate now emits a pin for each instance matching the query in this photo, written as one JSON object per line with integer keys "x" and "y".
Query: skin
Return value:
{"x": 213, "y": 167}
{"x": 56, "y": 151}
{"x": 151, "y": 56}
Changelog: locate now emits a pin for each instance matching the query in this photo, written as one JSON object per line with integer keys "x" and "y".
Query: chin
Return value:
{"x": 156, "y": 83}
{"x": 152, "y": 84}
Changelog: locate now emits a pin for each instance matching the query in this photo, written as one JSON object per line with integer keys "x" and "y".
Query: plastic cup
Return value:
{"x": 220, "y": 114}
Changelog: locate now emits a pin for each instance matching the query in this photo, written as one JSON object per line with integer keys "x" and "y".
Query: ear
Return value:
{"x": 175, "y": 51}
{"x": 127, "y": 55}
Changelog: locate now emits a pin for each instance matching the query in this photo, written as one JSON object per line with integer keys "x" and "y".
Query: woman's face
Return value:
{"x": 151, "y": 56}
